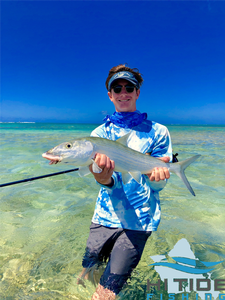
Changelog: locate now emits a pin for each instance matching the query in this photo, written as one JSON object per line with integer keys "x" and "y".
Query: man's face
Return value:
{"x": 124, "y": 101}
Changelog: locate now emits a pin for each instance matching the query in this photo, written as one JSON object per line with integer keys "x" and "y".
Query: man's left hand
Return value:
{"x": 160, "y": 173}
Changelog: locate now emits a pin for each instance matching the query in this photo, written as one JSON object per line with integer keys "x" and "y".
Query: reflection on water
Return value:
{"x": 45, "y": 223}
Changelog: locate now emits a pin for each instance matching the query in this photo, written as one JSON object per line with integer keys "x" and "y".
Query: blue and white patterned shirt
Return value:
{"x": 134, "y": 206}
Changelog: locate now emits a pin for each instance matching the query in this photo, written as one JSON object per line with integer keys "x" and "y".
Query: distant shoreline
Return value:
{"x": 27, "y": 122}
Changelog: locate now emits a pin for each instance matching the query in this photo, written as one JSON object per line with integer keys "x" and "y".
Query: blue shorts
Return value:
{"x": 121, "y": 247}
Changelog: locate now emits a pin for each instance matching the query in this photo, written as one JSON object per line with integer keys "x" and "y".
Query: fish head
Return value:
{"x": 78, "y": 152}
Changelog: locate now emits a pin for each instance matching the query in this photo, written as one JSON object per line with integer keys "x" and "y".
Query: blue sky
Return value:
{"x": 55, "y": 57}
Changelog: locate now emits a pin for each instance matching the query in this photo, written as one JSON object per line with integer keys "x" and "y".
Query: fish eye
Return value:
{"x": 69, "y": 145}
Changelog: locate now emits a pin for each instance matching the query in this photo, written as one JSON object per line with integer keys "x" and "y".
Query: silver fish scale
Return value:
{"x": 125, "y": 158}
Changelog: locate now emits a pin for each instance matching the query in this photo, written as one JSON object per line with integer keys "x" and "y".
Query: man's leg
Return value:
{"x": 93, "y": 275}
{"x": 124, "y": 257}
{"x": 101, "y": 293}
{"x": 99, "y": 244}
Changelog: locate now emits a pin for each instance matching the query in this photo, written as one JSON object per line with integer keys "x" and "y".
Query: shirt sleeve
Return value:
{"x": 99, "y": 132}
{"x": 115, "y": 185}
{"x": 162, "y": 145}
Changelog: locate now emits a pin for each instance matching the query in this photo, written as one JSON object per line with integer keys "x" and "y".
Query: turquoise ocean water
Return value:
{"x": 45, "y": 223}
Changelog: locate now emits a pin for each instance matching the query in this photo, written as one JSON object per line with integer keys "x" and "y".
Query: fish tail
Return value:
{"x": 179, "y": 169}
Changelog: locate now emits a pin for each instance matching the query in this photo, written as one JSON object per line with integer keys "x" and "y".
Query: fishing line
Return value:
{"x": 38, "y": 177}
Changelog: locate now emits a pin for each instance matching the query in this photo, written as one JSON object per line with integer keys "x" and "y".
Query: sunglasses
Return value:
{"x": 129, "y": 88}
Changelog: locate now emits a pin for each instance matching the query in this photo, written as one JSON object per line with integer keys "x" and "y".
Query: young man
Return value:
{"x": 125, "y": 215}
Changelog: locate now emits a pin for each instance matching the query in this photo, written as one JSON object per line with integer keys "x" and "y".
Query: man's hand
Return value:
{"x": 160, "y": 173}
{"x": 107, "y": 165}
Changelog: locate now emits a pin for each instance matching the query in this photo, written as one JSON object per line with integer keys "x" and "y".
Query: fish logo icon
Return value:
{"x": 123, "y": 74}
{"x": 181, "y": 263}
{"x": 188, "y": 265}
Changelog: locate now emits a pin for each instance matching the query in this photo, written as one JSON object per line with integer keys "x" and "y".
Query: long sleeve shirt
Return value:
{"x": 134, "y": 205}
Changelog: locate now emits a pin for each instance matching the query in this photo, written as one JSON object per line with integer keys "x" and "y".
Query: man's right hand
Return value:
{"x": 107, "y": 165}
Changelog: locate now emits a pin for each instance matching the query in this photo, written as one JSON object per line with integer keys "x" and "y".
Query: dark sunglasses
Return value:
{"x": 129, "y": 88}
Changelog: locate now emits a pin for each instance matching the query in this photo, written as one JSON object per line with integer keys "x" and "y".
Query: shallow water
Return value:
{"x": 45, "y": 223}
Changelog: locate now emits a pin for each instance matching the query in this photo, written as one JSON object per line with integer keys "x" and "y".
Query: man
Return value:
{"x": 125, "y": 215}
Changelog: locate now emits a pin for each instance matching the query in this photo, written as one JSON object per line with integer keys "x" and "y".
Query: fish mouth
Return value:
{"x": 54, "y": 159}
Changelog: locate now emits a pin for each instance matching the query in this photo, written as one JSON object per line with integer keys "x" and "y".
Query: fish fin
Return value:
{"x": 95, "y": 167}
{"x": 136, "y": 175}
{"x": 123, "y": 140}
{"x": 126, "y": 177}
{"x": 84, "y": 171}
{"x": 182, "y": 165}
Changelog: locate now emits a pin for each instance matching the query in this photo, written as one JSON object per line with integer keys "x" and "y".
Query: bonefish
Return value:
{"x": 129, "y": 162}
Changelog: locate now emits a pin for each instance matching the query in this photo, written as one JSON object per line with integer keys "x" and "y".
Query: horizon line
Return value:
{"x": 60, "y": 122}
